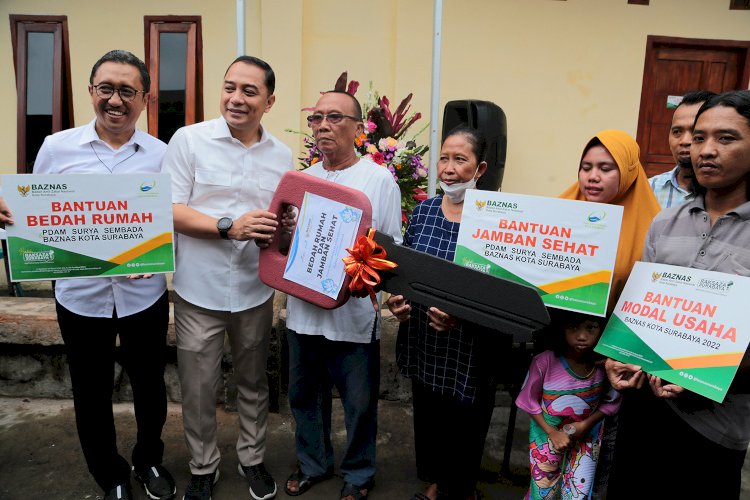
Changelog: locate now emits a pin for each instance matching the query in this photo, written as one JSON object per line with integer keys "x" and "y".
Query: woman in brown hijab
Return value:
{"x": 611, "y": 172}
{"x": 611, "y": 158}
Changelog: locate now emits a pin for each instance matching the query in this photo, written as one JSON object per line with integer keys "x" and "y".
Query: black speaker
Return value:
{"x": 489, "y": 119}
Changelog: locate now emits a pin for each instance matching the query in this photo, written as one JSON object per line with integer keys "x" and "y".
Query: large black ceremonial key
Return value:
{"x": 492, "y": 302}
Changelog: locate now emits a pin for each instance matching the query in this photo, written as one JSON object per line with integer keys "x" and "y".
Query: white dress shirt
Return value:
{"x": 215, "y": 174}
{"x": 355, "y": 320}
{"x": 80, "y": 151}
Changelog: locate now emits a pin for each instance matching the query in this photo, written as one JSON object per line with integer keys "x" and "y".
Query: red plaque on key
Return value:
{"x": 273, "y": 263}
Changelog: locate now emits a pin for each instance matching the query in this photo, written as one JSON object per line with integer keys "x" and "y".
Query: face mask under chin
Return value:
{"x": 457, "y": 191}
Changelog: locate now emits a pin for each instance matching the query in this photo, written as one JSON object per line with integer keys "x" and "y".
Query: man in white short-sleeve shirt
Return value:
{"x": 339, "y": 346}
{"x": 224, "y": 173}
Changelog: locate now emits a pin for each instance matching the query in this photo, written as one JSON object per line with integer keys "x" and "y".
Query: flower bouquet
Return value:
{"x": 384, "y": 141}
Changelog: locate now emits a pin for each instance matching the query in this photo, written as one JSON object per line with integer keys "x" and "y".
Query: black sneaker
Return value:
{"x": 120, "y": 492}
{"x": 201, "y": 486}
{"x": 261, "y": 484}
{"x": 157, "y": 482}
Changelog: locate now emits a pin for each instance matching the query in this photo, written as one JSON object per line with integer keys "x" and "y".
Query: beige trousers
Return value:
{"x": 200, "y": 346}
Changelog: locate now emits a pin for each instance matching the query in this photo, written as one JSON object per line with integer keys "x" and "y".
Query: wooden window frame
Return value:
{"x": 62, "y": 98}
{"x": 191, "y": 25}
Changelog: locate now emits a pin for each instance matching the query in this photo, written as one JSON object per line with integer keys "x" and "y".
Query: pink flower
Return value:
{"x": 371, "y": 127}
{"x": 378, "y": 157}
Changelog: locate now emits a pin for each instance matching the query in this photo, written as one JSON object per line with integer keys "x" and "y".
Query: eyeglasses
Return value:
{"x": 106, "y": 91}
{"x": 332, "y": 118}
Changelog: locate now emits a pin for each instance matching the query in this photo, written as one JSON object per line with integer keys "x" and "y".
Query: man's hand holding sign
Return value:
{"x": 83, "y": 225}
{"x": 454, "y": 290}
{"x": 457, "y": 291}
{"x": 681, "y": 326}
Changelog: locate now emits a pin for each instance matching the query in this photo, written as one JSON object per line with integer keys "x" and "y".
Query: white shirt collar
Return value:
{"x": 222, "y": 132}
{"x": 88, "y": 135}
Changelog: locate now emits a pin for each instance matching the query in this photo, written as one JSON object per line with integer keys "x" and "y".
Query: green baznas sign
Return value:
{"x": 70, "y": 226}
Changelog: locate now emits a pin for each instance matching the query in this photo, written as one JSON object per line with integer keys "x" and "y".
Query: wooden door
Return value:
{"x": 674, "y": 66}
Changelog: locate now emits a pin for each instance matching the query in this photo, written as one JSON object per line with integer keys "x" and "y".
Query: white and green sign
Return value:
{"x": 687, "y": 326}
{"x": 71, "y": 226}
{"x": 565, "y": 249}
{"x": 325, "y": 228}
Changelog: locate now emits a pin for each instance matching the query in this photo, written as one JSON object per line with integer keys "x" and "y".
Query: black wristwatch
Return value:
{"x": 224, "y": 225}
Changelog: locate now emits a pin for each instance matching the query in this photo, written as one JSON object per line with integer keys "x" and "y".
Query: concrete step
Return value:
{"x": 33, "y": 364}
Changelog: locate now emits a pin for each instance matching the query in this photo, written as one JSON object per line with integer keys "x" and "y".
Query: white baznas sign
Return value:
{"x": 687, "y": 326}
{"x": 73, "y": 226}
{"x": 565, "y": 249}
{"x": 325, "y": 229}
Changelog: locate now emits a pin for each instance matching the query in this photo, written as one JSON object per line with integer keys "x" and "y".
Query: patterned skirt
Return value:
{"x": 563, "y": 475}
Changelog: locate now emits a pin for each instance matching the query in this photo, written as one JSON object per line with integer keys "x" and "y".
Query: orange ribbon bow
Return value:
{"x": 365, "y": 259}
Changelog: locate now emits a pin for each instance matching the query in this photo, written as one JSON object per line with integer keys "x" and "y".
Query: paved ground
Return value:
{"x": 41, "y": 457}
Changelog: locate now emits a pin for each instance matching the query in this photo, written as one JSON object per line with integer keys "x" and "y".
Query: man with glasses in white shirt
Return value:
{"x": 93, "y": 312}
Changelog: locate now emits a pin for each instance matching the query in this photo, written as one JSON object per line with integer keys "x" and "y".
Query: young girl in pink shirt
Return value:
{"x": 567, "y": 396}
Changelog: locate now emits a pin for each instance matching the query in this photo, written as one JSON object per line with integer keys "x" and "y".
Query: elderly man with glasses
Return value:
{"x": 93, "y": 312}
{"x": 340, "y": 346}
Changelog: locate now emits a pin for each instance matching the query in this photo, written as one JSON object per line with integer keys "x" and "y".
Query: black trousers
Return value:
{"x": 659, "y": 456}
{"x": 449, "y": 438}
{"x": 91, "y": 348}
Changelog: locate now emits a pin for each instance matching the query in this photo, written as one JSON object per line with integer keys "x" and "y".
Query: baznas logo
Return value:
{"x": 24, "y": 190}
{"x": 145, "y": 188}
{"x": 480, "y": 204}
{"x": 503, "y": 204}
{"x": 676, "y": 277}
{"x": 596, "y": 216}
{"x": 655, "y": 276}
